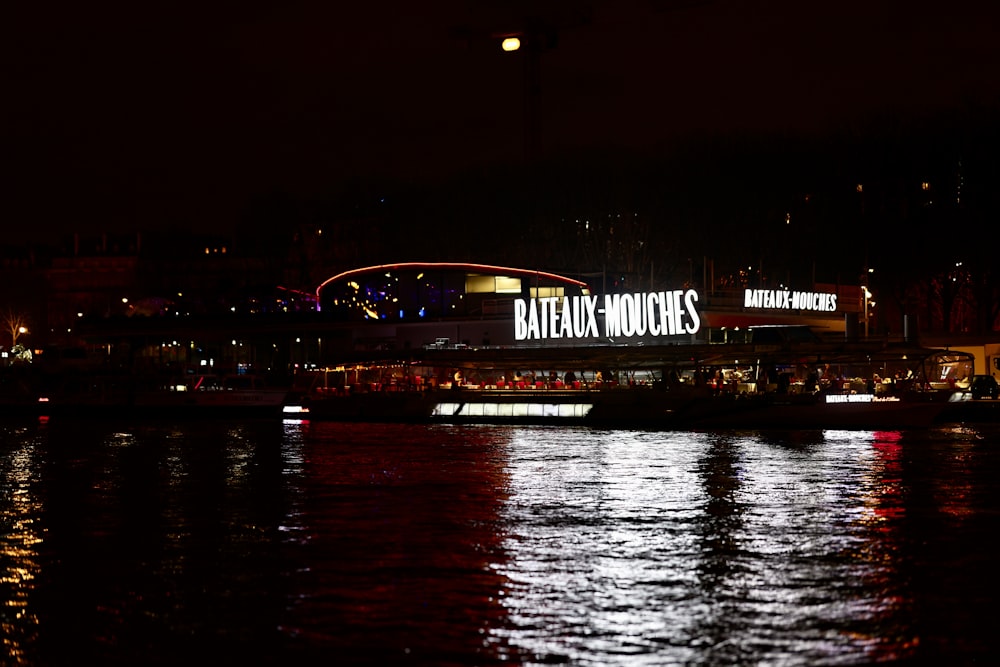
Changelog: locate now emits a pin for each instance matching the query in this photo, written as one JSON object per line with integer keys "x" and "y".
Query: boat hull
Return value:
{"x": 250, "y": 404}
{"x": 815, "y": 413}
{"x": 368, "y": 406}
{"x": 639, "y": 408}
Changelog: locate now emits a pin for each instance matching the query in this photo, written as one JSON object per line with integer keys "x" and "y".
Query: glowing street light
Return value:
{"x": 510, "y": 44}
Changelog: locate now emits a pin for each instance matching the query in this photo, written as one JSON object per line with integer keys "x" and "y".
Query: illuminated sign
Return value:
{"x": 860, "y": 398}
{"x": 668, "y": 313}
{"x": 783, "y": 299}
{"x": 849, "y": 398}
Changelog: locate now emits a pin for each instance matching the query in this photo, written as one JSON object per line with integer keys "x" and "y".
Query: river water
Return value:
{"x": 297, "y": 543}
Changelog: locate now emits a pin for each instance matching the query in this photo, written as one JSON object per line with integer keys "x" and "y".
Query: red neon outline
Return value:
{"x": 296, "y": 291}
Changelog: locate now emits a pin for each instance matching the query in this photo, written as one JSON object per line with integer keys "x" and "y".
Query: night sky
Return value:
{"x": 133, "y": 116}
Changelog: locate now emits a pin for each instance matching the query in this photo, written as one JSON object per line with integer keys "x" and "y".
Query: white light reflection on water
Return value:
{"x": 293, "y": 469}
{"x": 697, "y": 548}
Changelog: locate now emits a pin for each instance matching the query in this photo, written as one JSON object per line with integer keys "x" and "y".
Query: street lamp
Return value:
{"x": 534, "y": 38}
{"x": 866, "y": 295}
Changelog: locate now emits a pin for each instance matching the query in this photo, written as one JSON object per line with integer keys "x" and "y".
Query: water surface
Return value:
{"x": 305, "y": 543}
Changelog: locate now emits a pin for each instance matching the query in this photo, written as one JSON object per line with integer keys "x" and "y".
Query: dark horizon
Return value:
{"x": 787, "y": 201}
{"x": 124, "y": 121}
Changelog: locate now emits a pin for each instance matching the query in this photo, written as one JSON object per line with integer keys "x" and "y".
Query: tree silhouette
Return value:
{"x": 15, "y": 324}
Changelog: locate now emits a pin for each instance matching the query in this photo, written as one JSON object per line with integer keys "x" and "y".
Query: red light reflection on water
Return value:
{"x": 887, "y": 497}
{"x": 927, "y": 541}
{"x": 954, "y": 490}
{"x": 404, "y": 532}
{"x": 953, "y": 483}
{"x": 884, "y": 504}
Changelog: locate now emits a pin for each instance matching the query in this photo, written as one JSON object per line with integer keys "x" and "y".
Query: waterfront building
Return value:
{"x": 131, "y": 302}
{"x": 414, "y": 304}
{"x": 421, "y": 305}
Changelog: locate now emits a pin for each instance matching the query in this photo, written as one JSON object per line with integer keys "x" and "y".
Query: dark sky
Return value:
{"x": 175, "y": 115}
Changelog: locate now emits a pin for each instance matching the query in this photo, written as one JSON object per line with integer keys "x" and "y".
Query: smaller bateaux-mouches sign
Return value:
{"x": 784, "y": 299}
{"x": 667, "y": 313}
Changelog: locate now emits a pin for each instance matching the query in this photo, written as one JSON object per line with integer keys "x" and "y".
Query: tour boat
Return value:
{"x": 101, "y": 395}
{"x": 211, "y": 394}
{"x": 694, "y": 386}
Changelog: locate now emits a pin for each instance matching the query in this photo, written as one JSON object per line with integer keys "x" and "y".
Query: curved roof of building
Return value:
{"x": 451, "y": 266}
{"x": 421, "y": 291}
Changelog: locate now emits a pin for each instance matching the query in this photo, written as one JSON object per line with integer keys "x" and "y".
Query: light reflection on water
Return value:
{"x": 694, "y": 548}
{"x": 402, "y": 544}
{"x": 18, "y": 549}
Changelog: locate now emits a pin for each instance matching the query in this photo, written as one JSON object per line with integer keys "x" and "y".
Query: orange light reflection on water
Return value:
{"x": 19, "y": 555}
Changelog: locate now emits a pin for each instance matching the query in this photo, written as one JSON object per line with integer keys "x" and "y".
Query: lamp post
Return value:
{"x": 866, "y": 297}
{"x": 531, "y": 33}
{"x": 532, "y": 40}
